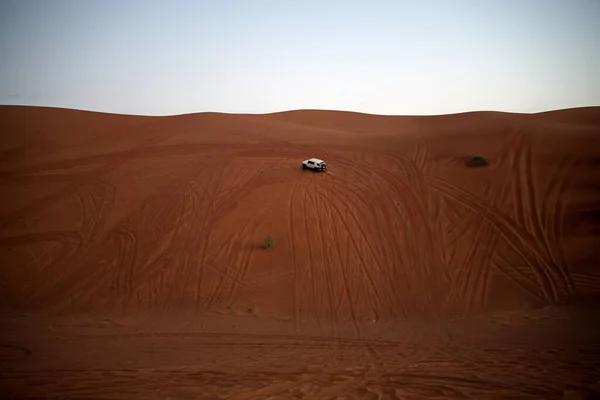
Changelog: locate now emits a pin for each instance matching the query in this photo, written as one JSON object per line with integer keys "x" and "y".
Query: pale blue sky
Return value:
{"x": 255, "y": 56}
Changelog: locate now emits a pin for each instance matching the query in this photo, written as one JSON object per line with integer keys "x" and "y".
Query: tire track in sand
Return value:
{"x": 219, "y": 208}
{"x": 336, "y": 214}
{"x": 460, "y": 276}
{"x": 422, "y": 154}
{"x": 519, "y": 239}
{"x": 529, "y": 210}
{"x": 227, "y": 200}
{"x": 62, "y": 237}
{"x": 69, "y": 242}
{"x": 587, "y": 282}
{"x": 125, "y": 241}
{"x": 552, "y": 212}
{"x": 330, "y": 204}
{"x": 410, "y": 185}
{"x": 320, "y": 203}
{"x": 207, "y": 201}
{"x": 221, "y": 200}
{"x": 70, "y": 272}
{"x": 498, "y": 224}
{"x": 416, "y": 195}
{"x": 292, "y": 241}
{"x": 474, "y": 268}
{"x": 241, "y": 260}
{"x": 507, "y": 268}
{"x": 150, "y": 272}
{"x": 97, "y": 200}
{"x": 311, "y": 259}
{"x": 247, "y": 232}
{"x": 108, "y": 163}
{"x": 410, "y": 218}
{"x": 344, "y": 261}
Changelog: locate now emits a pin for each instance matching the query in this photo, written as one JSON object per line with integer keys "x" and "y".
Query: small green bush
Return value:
{"x": 268, "y": 242}
{"x": 477, "y": 161}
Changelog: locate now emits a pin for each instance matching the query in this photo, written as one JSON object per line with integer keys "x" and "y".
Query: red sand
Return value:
{"x": 132, "y": 261}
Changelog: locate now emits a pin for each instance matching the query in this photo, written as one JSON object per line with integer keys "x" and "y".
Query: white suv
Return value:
{"x": 315, "y": 164}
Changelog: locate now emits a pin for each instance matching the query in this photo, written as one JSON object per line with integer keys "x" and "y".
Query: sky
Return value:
{"x": 395, "y": 57}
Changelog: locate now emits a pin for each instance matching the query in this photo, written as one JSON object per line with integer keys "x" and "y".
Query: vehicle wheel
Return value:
{"x": 304, "y": 166}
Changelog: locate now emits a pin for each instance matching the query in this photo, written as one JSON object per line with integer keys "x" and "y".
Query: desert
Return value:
{"x": 133, "y": 263}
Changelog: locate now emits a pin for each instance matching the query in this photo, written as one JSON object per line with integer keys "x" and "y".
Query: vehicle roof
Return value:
{"x": 315, "y": 160}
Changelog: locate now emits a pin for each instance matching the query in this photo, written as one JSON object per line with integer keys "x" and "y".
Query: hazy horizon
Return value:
{"x": 378, "y": 57}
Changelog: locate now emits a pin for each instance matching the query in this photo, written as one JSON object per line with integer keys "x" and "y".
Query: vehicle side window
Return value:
{"x": 310, "y": 162}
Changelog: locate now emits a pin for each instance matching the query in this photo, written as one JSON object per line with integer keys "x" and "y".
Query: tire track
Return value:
{"x": 71, "y": 270}
{"x": 372, "y": 287}
{"x": 465, "y": 265}
{"x": 268, "y": 278}
{"x": 13, "y": 352}
{"x": 533, "y": 217}
{"x": 124, "y": 262}
{"x": 210, "y": 192}
{"x": 39, "y": 205}
{"x": 416, "y": 185}
{"x": 311, "y": 261}
{"x": 518, "y": 195}
{"x": 245, "y": 262}
{"x": 43, "y": 275}
{"x": 196, "y": 202}
{"x": 107, "y": 162}
{"x": 244, "y": 258}
{"x": 330, "y": 206}
{"x": 479, "y": 254}
{"x": 430, "y": 227}
{"x": 507, "y": 268}
{"x": 164, "y": 257}
{"x": 588, "y": 282}
{"x": 233, "y": 200}
{"x": 321, "y": 206}
{"x": 49, "y": 236}
{"x": 358, "y": 195}
{"x": 83, "y": 290}
{"x": 333, "y": 205}
{"x": 317, "y": 264}
{"x": 519, "y": 240}
{"x": 531, "y": 213}
{"x": 480, "y": 265}
{"x": 458, "y": 229}
{"x": 185, "y": 246}
{"x": 346, "y": 287}
{"x": 553, "y": 211}
{"x": 220, "y": 252}
{"x": 97, "y": 200}
{"x": 540, "y": 278}
{"x": 96, "y": 206}
{"x": 241, "y": 188}
{"x": 291, "y": 238}
{"x": 421, "y": 154}
{"x": 149, "y": 149}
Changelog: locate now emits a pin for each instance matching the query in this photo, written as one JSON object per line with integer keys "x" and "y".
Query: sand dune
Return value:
{"x": 162, "y": 219}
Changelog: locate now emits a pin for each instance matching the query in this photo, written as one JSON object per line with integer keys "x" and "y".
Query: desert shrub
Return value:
{"x": 477, "y": 161}
{"x": 268, "y": 242}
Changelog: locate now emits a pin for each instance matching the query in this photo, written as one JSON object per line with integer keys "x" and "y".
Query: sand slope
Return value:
{"x": 119, "y": 213}
{"x": 126, "y": 217}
